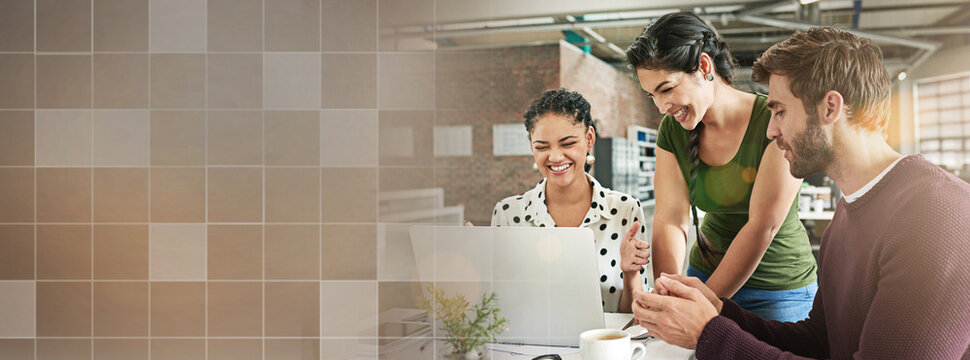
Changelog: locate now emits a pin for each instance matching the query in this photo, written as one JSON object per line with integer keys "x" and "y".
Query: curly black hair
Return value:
{"x": 560, "y": 101}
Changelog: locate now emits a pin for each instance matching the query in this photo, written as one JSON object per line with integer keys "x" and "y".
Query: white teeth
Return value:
{"x": 680, "y": 113}
{"x": 560, "y": 168}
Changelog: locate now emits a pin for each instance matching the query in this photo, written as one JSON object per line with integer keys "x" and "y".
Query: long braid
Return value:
{"x": 693, "y": 150}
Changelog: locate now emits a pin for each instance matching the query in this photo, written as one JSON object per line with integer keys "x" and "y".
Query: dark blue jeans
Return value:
{"x": 782, "y": 305}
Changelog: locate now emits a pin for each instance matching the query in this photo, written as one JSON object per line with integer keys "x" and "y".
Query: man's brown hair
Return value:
{"x": 826, "y": 58}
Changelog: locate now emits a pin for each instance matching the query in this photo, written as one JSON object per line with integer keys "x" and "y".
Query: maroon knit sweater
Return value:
{"x": 894, "y": 280}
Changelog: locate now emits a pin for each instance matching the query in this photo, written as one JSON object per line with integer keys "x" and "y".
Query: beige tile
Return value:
{"x": 292, "y": 252}
{"x": 177, "y": 252}
{"x": 292, "y": 349}
{"x": 392, "y": 179}
{"x": 235, "y": 349}
{"x": 349, "y": 25}
{"x": 349, "y": 252}
{"x": 235, "y": 194}
{"x": 235, "y": 25}
{"x": 120, "y": 309}
{"x": 64, "y": 349}
{"x": 17, "y": 25}
{"x": 292, "y": 309}
{"x": 16, "y": 252}
{"x": 121, "y": 195}
{"x": 292, "y": 25}
{"x": 120, "y": 349}
{"x": 63, "y": 195}
{"x": 64, "y": 138}
{"x": 178, "y": 349}
{"x": 349, "y": 81}
{"x": 338, "y": 149}
{"x": 235, "y": 252}
{"x": 17, "y": 81}
{"x": 397, "y": 294}
{"x": 177, "y": 80}
{"x": 16, "y": 138}
{"x": 63, "y": 252}
{"x": 235, "y": 137}
{"x": 349, "y": 308}
{"x": 403, "y": 13}
{"x": 121, "y": 25}
{"x": 121, "y": 252}
{"x": 17, "y": 197}
{"x": 406, "y": 81}
{"x": 291, "y": 81}
{"x": 177, "y": 138}
{"x": 17, "y": 349}
{"x": 178, "y": 194}
{"x": 63, "y": 25}
{"x": 349, "y": 195}
{"x": 121, "y": 138}
{"x": 63, "y": 309}
{"x": 343, "y": 349}
{"x": 178, "y": 309}
{"x": 121, "y": 81}
{"x": 17, "y": 309}
{"x": 406, "y": 138}
{"x": 64, "y": 81}
{"x": 177, "y": 25}
{"x": 235, "y": 309}
{"x": 235, "y": 81}
{"x": 292, "y": 195}
{"x": 291, "y": 138}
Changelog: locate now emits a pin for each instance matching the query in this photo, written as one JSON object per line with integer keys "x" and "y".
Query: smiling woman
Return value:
{"x": 561, "y": 134}
{"x": 713, "y": 154}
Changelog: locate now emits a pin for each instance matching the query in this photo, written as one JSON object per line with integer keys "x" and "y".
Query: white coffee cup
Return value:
{"x": 608, "y": 344}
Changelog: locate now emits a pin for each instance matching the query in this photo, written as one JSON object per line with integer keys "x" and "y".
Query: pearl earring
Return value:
{"x": 590, "y": 159}
{"x": 535, "y": 167}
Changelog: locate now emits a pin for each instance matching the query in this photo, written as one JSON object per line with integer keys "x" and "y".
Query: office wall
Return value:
{"x": 615, "y": 95}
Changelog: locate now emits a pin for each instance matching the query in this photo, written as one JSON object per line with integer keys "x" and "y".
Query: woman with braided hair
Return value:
{"x": 712, "y": 154}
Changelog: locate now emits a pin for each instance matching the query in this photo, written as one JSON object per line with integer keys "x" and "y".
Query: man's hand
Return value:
{"x": 633, "y": 252}
{"x": 678, "y": 318}
{"x": 660, "y": 288}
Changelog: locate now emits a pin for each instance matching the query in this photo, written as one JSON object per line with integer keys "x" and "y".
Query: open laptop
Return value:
{"x": 546, "y": 279}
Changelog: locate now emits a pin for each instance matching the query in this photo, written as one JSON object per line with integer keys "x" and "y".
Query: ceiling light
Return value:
{"x": 806, "y": 2}
{"x": 902, "y": 76}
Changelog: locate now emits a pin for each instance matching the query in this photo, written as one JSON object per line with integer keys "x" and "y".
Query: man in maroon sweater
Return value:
{"x": 894, "y": 275}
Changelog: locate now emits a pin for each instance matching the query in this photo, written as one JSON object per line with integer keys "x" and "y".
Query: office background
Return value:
{"x": 215, "y": 179}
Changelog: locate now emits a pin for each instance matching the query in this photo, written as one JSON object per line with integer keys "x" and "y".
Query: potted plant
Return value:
{"x": 466, "y": 328}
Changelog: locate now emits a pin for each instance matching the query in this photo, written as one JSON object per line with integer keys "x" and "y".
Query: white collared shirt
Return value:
{"x": 610, "y": 215}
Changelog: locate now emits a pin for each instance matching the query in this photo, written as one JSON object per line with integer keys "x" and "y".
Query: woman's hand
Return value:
{"x": 633, "y": 252}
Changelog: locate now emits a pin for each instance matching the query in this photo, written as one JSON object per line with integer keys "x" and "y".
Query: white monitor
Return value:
{"x": 546, "y": 279}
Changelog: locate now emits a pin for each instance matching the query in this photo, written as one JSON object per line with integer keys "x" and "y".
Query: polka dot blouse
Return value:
{"x": 610, "y": 215}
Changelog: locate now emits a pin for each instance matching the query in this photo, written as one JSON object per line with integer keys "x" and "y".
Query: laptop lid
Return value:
{"x": 546, "y": 279}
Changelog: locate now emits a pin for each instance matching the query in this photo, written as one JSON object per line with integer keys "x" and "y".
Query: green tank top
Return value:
{"x": 724, "y": 193}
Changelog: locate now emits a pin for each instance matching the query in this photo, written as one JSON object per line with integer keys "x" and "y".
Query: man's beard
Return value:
{"x": 811, "y": 152}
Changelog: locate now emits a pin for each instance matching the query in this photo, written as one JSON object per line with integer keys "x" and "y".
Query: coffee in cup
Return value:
{"x": 608, "y": 344}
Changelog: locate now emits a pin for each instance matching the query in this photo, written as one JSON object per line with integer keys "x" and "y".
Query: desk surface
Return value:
{"x": 656, "y": 349}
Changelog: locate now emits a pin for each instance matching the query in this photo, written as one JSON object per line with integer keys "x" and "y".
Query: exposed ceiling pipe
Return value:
{"x": 925, "y": 48}
{"x": 801, "y": 26}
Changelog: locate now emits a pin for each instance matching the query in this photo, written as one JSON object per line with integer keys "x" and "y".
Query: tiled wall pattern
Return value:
{"x": 200, "y": 179}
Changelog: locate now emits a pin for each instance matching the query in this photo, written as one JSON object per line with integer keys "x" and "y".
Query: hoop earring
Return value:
{"x": 709, "y": 77}
{"x": 590, "y": 159}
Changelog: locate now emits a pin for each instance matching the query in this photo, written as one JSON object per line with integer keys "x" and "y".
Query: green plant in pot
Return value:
{"x": 466, "y": 328}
